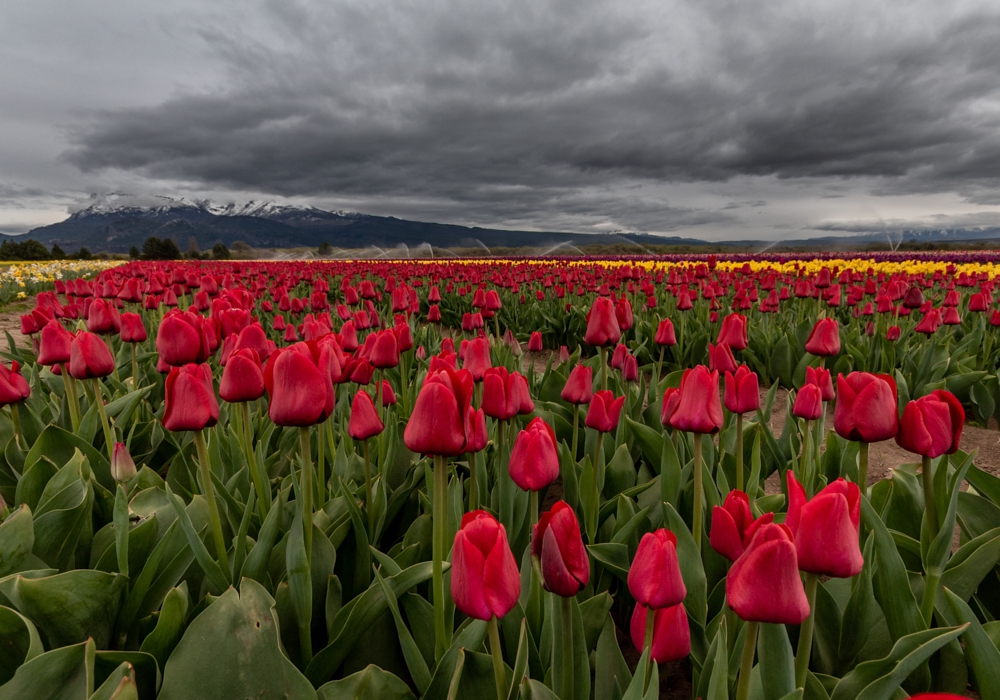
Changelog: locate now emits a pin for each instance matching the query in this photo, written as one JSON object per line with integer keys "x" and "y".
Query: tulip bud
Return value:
{"x": 364, "y": 422}
{"x": 866, "y": 407}
{"x": 122, "y": 465}
{"x": 742, "y": 390}
{"x": 733, "y": 332}
{"x": 535, "y": 342}
{"x": 654, "y": 579}
{"x": 825, "y": 528}
{"x": 484, "y": 579}
{"x": 932, "y": 425}
{"x": 671, "y": 633}
{"x": 808, "y": 402}
{"x": 557, "y": 550}
{"x": 534, "y": 461}
{"x": 189, "y": 399}
{"x": 665, "y": 333}
{"x": 579, "y": 387}
{"x": 763, "y": 585}
{"x": 824, "y": 340}
{"x": 604, "y": 411}
{"x": 602, "y": 324}
{"x": 698, "y": 408}
{"x": 733, "y": 525}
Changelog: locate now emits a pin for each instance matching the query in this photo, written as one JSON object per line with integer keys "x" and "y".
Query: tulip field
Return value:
{"x": 503, "y": 478}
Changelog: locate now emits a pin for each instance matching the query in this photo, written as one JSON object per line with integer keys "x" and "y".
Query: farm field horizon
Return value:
{"x": 761, "y": 476}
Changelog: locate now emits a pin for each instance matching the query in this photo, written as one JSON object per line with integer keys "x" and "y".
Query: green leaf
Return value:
{"x": 59, "y": 446}
{"x": 372, "y": 683}
{"x": 297, "y": 570}
{"x": 892, "y": 586}
{"x": 357, "y": 616}
{"x": 69, "y": 607}
{"x": 120, "y": 685}
{"x": 520, "y": 661}
{"x": 63, "y": 512}
{"x": 231, "y": 651}
{"x": 170, "y": 624}
{"x": 62, "y": 674}
{"x": 17, "y": 538}
{"x": 255, "y": 566}
{"x": 718, "y": 684}
{"x": 858, "y": 613}
{"x": 211, "y": 567}
{"x": 650, "y": 442}
{"x": 535, "y": 690}
{"x": 776, "y": 662}
{"x": 415, "y": 662}
{"x": 611, "y": 669}
{"x": 692, "y": 570}
{"x": 971, "y": 563}
{"x": 613, "y": 556}
{"x": 879, "y": 679}
{"x": 19, "y": 642}
{"x": 981, "y": 653}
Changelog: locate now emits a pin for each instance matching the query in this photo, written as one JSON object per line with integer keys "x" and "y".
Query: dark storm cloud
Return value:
{"x": 519, "y": 111}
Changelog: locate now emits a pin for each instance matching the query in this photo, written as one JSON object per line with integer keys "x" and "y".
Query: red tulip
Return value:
{"x": 665, "y": 333}
{"x": 89, "y": 357}
{"x": 604, "y": 411}
{"x": 630, "y": 370}
{"x": 505, "y": 394}
{"x": 242, "y": 377}
{"x": 437, "y": 425}
{"x": 929, "y": 323}
{"x": 866, "y": 407}
{"x": 364, "y": 422}
{"x": 384, "y": 351}
{"x": 763, "y": 585}
{"x": 892, "y": 333}
{"x": 654, "y": 579}
{"x": 184, "y": 337}
{"x": 820, "y": 376}
{"x": 720, "y": 358}
{"x": 298, "y": 381}
{"x": 932, "y": 425}
{"x": 602, "y": 324}
{"x": 698, "y": 408}
{"x": 132, "y": 328}
{"x": 733, "y": 332}
{"x": 825, "y": 528}
{"x": 557, "y": 548}
{"x": 477, "y": 357}
{"x": 579, "y": 388}
{"x": 623, "y": 314}
{"x": 534, "y": 461}
{"x": 102, "y": 318}
{"x": 808, "y": 402}
{"x": 54, "y": 344}
{"x": 824, "y": 340}
{"x": 733, "y": 525}
{"x": 189, "y": 399}
{"x": 742, "y": 391}
{"x": 484, "y": 579}
{"x": 13, "y": 387}
{"x": 671, "y": 634}
{"x": 535, "y": 342}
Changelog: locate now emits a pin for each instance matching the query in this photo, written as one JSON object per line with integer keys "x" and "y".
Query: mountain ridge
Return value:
{"x": 117, "y": 221}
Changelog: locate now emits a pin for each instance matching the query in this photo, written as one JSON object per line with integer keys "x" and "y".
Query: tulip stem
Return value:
{"x": 804, "y": 650}
{"x": 438, "y": 546}
{"x": 648, "y": 645}
{"x": 213, "y": 507}
{"x": 739, "y": 451}
{"x": 592, "y": 513}
{"x": 746, "y": 660}
{"x": 863, "y": 467}
{"x": 566, "y": 634}
{"x": 698, "y": 492}
{"x": 576, "y": 429}
{"x": 72, "y": 398}
{"x": 135, "y": 368}
{"x": 306, "y": 481}
{"x": 930, "y": 504}
{"x": 532, "y": 510}
{"x": 15, "y": 417}
{"x": 369, "y": 506}
{"x": 259, "y": 481}
{"x": 656, "y": 377}
{"x": 378, "y": 394}
{"x": 109, "y": 436}
{"x": 114, "y": 358}
{"x": 321, "y": 465}
{"x": 932, "y": 580}
{"x": 121, "y": 528}
{"x": 499, "y": 672}
{"x": 604, "y": 367}
{"x": 804, "y": 476}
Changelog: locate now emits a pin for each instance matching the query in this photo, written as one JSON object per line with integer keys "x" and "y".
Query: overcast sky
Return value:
{"x": 716, "y": 120}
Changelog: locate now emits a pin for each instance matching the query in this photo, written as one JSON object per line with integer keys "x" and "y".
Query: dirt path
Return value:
{"x": 10, "y": 321}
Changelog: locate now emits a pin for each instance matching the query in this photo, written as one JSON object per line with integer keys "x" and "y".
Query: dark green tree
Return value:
{"x": 156, "y": 249}
{"x": 57, "y": 252}
{"x": 220, "y": 251}
{"x": 134, "y": 253}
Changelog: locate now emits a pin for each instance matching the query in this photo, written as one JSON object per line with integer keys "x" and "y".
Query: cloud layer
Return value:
{"x": 701, "y": 115}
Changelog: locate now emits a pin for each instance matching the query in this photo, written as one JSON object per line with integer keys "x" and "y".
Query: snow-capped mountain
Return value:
{"x": 117, "y": 221}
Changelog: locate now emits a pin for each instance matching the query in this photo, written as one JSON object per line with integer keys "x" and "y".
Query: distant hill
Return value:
{"x": 116, "y": 222}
